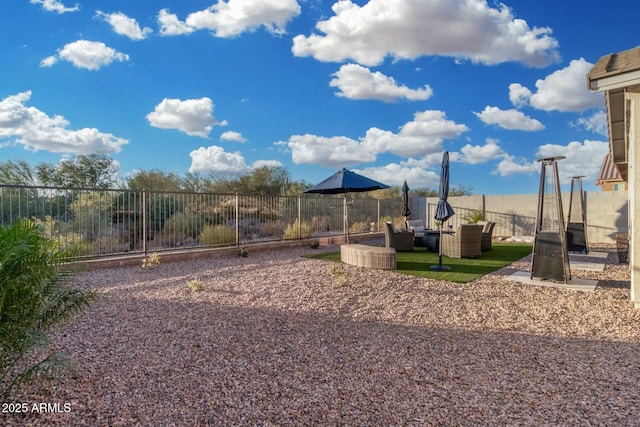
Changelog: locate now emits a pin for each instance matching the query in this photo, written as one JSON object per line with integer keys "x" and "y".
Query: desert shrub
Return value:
{"x": 83, "y": 248}
{"x": 218, "y": 235}
{"x": 179, "y": 229}
{"x": 321, "y": 223}
{"x": 91, "y": 214}
{"x": 267, "y": 215}
{"x": 398, "y": 222}
{"x": 473, "y": 216}
{"x": 36, "y": 294}
{"x": 181, "y": 224}
{"x": 110, "y": 244}
{"x": 151, "y": 261}
{"x": 58, "y": 231}
{"x": 360, "y": 227}
{"x": 298, "y": 230}
{"x": 195, "y": 285}
{"x": 270, "y": 229}
{"x": 339, "y": 274}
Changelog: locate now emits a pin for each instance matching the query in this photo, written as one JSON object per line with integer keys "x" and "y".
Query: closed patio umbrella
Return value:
{"x": 406, "y": 212}
{"x": 346, "y": 181}
{"x": 444, "y": 211}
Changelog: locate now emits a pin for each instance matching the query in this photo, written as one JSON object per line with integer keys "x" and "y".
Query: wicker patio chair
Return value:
{"x": 417, "y": 226}
{"x": 487, "y": 233}
{"x": 401, "y": 241}
{"x": 465, "y": 243}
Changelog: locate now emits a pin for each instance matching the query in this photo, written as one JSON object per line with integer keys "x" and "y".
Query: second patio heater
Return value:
{"x": 550, "y": 260}
{"x": 577, "y": 222}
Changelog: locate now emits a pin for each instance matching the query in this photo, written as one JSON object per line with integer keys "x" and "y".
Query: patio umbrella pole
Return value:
{"x": 440, "y": 267}
{"x": 443, "y": 209}
{"x": 346, "y": 218}
{"x": 440, "y": 250}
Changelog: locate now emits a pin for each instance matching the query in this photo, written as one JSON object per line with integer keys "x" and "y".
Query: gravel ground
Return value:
{"x": 278, "y": 339}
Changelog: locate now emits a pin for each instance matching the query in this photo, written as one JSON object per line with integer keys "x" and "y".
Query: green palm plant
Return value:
{"x": 36, "y": 294}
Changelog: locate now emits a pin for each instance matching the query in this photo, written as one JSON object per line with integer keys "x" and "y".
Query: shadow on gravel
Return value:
{"x": 179, "y": 363}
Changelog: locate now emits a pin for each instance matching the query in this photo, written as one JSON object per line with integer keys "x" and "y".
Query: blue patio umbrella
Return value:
{"x": 444, "y": 211}
{"x": 346, "y": 181}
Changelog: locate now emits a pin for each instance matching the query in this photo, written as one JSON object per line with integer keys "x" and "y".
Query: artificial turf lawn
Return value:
{"x": 417, "y": 263}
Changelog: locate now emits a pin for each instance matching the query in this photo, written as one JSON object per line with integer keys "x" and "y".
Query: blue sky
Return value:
{"x": 380, "y": 87}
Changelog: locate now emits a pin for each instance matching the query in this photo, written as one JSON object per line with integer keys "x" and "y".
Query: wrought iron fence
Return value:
{"x": 111, "y": 222}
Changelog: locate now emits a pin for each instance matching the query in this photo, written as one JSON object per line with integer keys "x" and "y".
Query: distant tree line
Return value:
{"x": 101, "y": 171}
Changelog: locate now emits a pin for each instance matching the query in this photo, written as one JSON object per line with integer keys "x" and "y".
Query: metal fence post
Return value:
{"x": 237, "y": 219}
{"x": 299, "y": 218}
{"x": 144, "y": 221}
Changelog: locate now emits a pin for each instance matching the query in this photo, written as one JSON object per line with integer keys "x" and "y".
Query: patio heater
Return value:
{"x": 577, "y": 222}
{"x": 550, "y": 260}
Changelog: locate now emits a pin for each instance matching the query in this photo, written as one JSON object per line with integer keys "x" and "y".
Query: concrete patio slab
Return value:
{"x": 583, "y": 285}
{"x": 589, "y": 255}
{"x": 582, "y": 265}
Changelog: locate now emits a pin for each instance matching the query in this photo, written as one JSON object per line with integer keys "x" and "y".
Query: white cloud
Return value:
{"x": 266, "y": 163}
{"x": 395, "y": 174}
{"x": 170, "y": 25}
{"x": 562, "y": 90}
{"x": 358, "y": 82}
{"x": 214, "y": 159}
{"x": 231, "y": 18}
{"x": 509, "y": 119}
{"x": 55, "y": 6}
{"x": 420, "y": 137}
{"x": 511, "y": 166}
{"x": 596, "y": 123}
{"x": 474, "y": 154}
{"x": 232, "y": 136}
{"x": 124, "y": 25}
{"x": 86, "y": 54}
{"x": 35, "y": 130}
{"x": 581, "y": 158}
{"x": 432, "y": 159}
{"x": 336, "y": 151}
{"x": 407, "y": 29}
{"x": 519, "y": 95}
{"x": 48, "y": 62}
{"x": 192, "y": 116}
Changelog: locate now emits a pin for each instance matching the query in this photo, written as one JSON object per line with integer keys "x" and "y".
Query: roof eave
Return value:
{"x": 613, "y": 82}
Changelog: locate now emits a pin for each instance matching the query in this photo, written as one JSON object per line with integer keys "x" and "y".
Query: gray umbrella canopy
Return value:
{"x": 444, "y": 211}
{"x": 346, "y": 181}
{"x": 405, "y": 200}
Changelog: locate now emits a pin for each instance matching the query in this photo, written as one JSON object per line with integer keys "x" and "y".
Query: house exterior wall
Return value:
{"x": 633, "y": 99}
{"x": 609, "y": 185}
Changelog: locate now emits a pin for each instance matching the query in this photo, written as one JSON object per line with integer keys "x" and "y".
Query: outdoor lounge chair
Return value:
{"x": 401, "y": 241}
{"x": 487, "y": 233}
{"x": 465, "y": 243}
{"x": 417, "y": 226}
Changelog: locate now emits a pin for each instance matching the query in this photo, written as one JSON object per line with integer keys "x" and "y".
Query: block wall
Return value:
{"x": 515, "y": 214}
